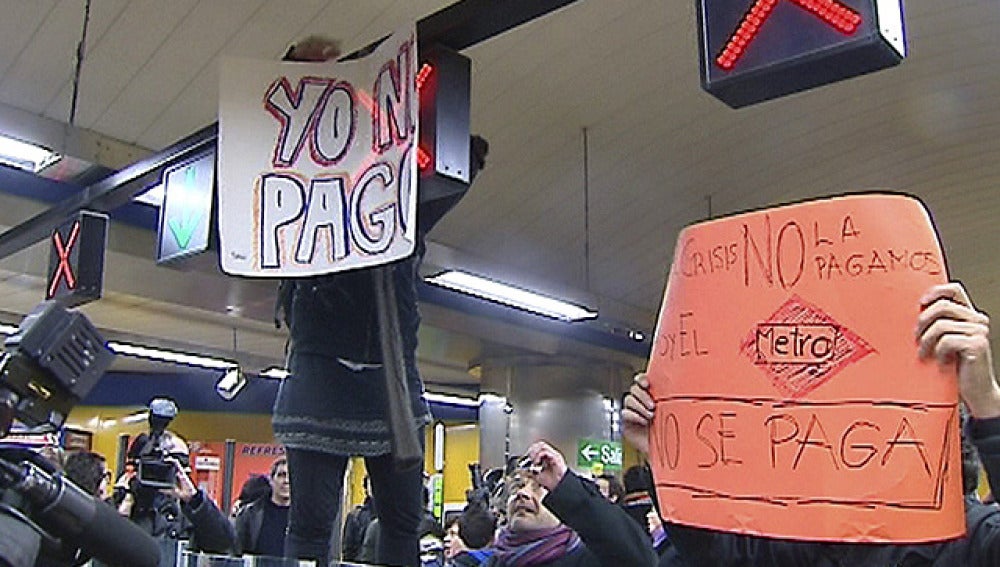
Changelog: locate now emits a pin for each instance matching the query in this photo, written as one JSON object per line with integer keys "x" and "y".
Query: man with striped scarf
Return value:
{"x": 557, "y": 519}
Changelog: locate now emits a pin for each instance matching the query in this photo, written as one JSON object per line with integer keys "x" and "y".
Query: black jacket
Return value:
{"x": 354, "y": 529}
{"x": 199, "y": 520}
{"x": 980, "y": 546}
{"x": 348, "y": 299}
{"x": 248, "y": 524}
{"x": 610, "y": 537}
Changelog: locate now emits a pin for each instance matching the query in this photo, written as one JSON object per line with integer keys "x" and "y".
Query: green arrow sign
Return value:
{"x": 185, "y": 214}
{"x": 182, "y": 227}
{"x": 590, "y": 452}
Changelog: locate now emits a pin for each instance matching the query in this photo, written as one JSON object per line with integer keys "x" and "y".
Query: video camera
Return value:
{"x": 154, "y": 461}
{"x": 484, "y": 486}
{"x": 53, "y": 360}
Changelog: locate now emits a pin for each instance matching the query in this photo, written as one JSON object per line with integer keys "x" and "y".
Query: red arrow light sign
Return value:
{"x": 751, "y": 51}
{"x": 832, "y": 12}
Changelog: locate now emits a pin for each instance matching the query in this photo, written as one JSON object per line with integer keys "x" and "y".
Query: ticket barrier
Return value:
{"x": 193, "y": 559}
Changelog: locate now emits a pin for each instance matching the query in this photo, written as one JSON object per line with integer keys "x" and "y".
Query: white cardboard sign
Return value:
{"x": 317, "y": 165}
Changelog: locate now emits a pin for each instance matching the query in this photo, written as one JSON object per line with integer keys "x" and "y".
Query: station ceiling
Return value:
{"x": 602, "y": 147}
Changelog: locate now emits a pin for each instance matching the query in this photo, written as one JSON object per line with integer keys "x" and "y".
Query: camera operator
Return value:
{"x": 47, "y": 366}
{"x": 160, "y": 497}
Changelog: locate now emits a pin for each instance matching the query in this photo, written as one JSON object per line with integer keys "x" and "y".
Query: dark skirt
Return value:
{"x": 327, "y": 407}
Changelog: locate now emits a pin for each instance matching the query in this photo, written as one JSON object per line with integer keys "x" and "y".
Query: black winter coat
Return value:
{"x": 610, "y": 537}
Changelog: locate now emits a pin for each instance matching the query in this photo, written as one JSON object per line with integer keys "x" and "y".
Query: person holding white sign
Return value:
{"x": 950, "y": 330}
{"x": 333, "y": 406}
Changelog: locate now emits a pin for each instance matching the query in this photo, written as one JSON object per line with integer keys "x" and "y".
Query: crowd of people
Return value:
{"x": 542, "y": 513}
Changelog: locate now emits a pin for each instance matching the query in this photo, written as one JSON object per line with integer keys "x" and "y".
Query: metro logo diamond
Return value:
{"x": 799, "y": 347}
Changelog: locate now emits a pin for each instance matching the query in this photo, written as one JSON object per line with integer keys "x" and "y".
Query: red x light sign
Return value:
{"x": 757, "y": 50}
{"x": 76, "y": 259}
{"x": 63, "y": 271}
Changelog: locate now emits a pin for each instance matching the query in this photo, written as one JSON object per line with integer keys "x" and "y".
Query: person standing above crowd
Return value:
{"x": 333, "y": 405}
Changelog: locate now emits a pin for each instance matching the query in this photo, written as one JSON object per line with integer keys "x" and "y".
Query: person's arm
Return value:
{"x": 211, "y": 529}
{"x": 242, "y": 526}
{"x": 952, "y": 331}
{"x": 983, "y": 521}
{"x": 609, "y": 533}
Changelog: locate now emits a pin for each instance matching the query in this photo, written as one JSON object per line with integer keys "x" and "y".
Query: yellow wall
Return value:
{"x": 461, "y": 445}
{"x": 461, "y": 442}
{"x": 461, "y": 448}
{"x": 191, "y": 425}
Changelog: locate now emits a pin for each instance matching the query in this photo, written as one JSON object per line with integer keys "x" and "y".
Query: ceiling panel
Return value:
{"x": 121, "y": 38}
{"x": 44, "y": 60}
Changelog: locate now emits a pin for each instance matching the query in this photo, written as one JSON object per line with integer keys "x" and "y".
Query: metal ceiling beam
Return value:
{"x": 457, "y": 26}
{"x": 107, "y": 194}
{"x": 466, "y": 23}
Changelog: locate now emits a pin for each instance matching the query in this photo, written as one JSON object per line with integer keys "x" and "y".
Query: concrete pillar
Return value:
{"x": 557, "y": 399}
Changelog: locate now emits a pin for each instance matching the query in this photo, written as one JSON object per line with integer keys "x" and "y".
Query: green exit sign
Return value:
{"x": 607, "y": 454}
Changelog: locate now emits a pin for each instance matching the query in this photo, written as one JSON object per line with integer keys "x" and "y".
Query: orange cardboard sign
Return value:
{"x": 791, "y": 401}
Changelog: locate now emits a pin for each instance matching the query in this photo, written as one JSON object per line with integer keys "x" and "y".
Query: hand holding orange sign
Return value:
{"x": 788, "y": 396}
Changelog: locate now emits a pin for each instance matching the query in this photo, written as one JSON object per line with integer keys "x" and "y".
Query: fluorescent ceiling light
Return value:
{"x": 509, "y": 295}
{"x": 174, "y": 356}
{"x": 136, "y": 417}
{"x": 275, "y": 373}
{"x": 451, "y": 400}
{"x": 231, "y": 383}
{"x": 24, "y": 155}
{"x": 489, "y": 398}
{"x": 152, "y": 196}
{"x": 153, "y": 353}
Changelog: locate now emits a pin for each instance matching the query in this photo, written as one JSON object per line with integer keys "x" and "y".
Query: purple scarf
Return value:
{"x": 536, "y": 547}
